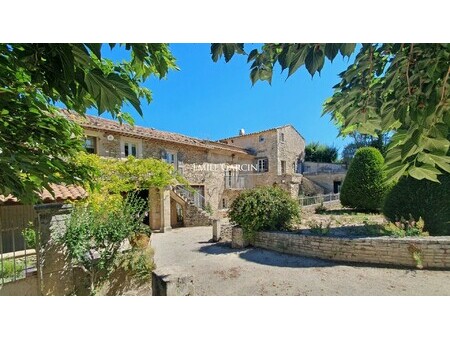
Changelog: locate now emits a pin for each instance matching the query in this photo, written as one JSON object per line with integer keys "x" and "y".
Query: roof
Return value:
{"x": 262, "y": 131}
{"x": 102, "y": 124}
{"x": 61, "y": 193}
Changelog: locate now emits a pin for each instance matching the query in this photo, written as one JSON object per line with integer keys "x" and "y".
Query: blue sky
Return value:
{"x": 214, "y": 100}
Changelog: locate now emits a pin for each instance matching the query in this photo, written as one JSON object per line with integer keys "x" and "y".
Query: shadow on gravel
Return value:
{"x": 218, "y": 248}
{"x": 266, "y": 257}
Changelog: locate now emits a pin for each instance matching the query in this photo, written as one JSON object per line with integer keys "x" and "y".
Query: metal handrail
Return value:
{"x": 192, "y": 196}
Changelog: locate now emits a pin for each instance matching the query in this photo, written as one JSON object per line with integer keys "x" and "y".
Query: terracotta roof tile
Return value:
{"x": 61, "y": 193}
{"x": 102, "y": 124}
{"x": 259, "y": 132}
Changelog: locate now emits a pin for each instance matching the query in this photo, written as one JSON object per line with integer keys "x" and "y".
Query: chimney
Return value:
{"x": 242, "y": 132}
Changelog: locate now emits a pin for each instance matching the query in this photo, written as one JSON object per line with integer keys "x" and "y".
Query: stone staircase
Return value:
{"x": 194, "y": 215}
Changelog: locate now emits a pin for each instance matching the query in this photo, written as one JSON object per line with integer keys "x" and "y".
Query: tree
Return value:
{"x": 390, "y": 87}
{"x": 316, "y": 152}
{"x": 100, "y": 224}
{"x": 37, "y": 143}
{"x": 360, "y": 140}
{"x": 364, "y": 186}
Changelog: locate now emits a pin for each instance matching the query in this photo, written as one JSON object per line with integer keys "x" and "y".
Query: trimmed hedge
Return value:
{"x": 421, "y": 198}
{"x": 265, "y": 208}
{"x": 364, "y": 185}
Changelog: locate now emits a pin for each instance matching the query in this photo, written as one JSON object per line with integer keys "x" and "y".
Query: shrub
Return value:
{"x": 319, "y": 229}
{"x": 364, "y": 185}
{"x": 265, "y": 208}
{"x": 320, "y": 209}
{"x": 9, "y": 271}
{"x": 29, "y": 236}
{"x": 139, "y": 262}
{"x": 94, "y": 237}
{"x": 411, "y": 198}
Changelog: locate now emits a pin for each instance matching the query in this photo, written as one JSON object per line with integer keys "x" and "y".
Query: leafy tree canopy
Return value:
{"x": 361, "y": 140}
{"x": 317, "y": 152}
{"x": 390, "y": 87}
{"x": 37, "y": 143}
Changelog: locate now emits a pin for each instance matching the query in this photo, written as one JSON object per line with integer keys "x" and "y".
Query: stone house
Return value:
{"x": 217, "y": 170}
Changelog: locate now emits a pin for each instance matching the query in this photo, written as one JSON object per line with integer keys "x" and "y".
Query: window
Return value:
{"x": 283, "y": 167}
{"x": 282, "y": 137}
{"x": 170, "y": 158}
{"x": 224, "y": 203}
{"x": 261, "y": 139}
{"x": 90, "y": 144}
{"x": 263, "y": 165}
{"x": 130, "y": 149}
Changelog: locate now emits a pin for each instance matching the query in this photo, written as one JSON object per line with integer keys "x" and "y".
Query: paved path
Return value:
{"x": 220, "y": 270}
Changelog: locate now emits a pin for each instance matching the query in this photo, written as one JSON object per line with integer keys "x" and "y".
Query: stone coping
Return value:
{"x": 412, "y": 252}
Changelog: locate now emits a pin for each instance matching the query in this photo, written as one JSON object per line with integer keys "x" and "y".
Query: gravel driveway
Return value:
{"x": 220, "y": 270}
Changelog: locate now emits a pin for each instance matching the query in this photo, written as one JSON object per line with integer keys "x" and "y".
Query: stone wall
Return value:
{"x": 22, "y": 287}
{"x": 429, "y": 252}
{"x": 326, "y": 181}
{"x": 194, "y": 216}
{"x": 56, "y": 275}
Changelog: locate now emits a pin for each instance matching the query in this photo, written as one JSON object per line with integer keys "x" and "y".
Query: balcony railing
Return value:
{"x": 235, "y": 182}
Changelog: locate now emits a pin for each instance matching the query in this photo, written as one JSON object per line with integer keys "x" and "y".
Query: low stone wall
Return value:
{"x": 170, "y": 281}
{"x": 413, "y": 252}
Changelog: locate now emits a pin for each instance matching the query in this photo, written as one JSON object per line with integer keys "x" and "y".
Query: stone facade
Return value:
{"x": 412, "y": 252}
{"x": 212, "y": 168}
{"x": 284, "y": 149}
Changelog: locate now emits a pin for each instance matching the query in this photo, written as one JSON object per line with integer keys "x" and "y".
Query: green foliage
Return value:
{"x": 139, "y": 262}
{"x": 29, "y": 235}
{"x": 94, "y": 236}
{"x": 9, "y": 271}
{"x": 316, "y": 152}
{"x": 320, "y": 209}
{"x": 130, "y": 174}
{"x": 265, "y": 208}
{"x": 401, "y": 228}
{"x": 401, "y": 88}
{"x": 208, "y": 208}
{"x": 364, "y": 186}
{"x": 411, "y": 198}
{"x": 37, "y": 143}
{"x": 360, "y": 140}
{"x": 319, "y": 229}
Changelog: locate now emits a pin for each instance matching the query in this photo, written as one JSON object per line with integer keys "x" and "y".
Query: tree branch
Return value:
{"x": 444, "y": 84}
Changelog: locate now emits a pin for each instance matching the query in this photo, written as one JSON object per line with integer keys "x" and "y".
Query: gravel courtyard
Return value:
{"x": 220, "y": 270}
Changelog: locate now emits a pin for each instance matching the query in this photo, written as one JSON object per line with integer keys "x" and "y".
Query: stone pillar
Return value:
{"x": 54, "y": 269}
{"x": 216, "y": 230}
{"x": 165, "y": 210}
{"x": 155, "y": 208}
{"x": 238, "y": 240}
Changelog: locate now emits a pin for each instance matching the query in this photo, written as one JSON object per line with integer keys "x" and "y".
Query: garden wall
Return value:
{"x": 429, "y": 252}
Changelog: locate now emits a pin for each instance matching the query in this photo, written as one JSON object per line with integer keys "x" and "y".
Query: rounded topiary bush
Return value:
{"x": 364, "y": 185}
{"x": 411, "y": 198}
{"x": 265, "y": 208}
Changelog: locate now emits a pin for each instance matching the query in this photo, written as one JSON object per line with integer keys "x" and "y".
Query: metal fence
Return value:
{"x": 318, "y": 199}
{"x": 18, "y": 243}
